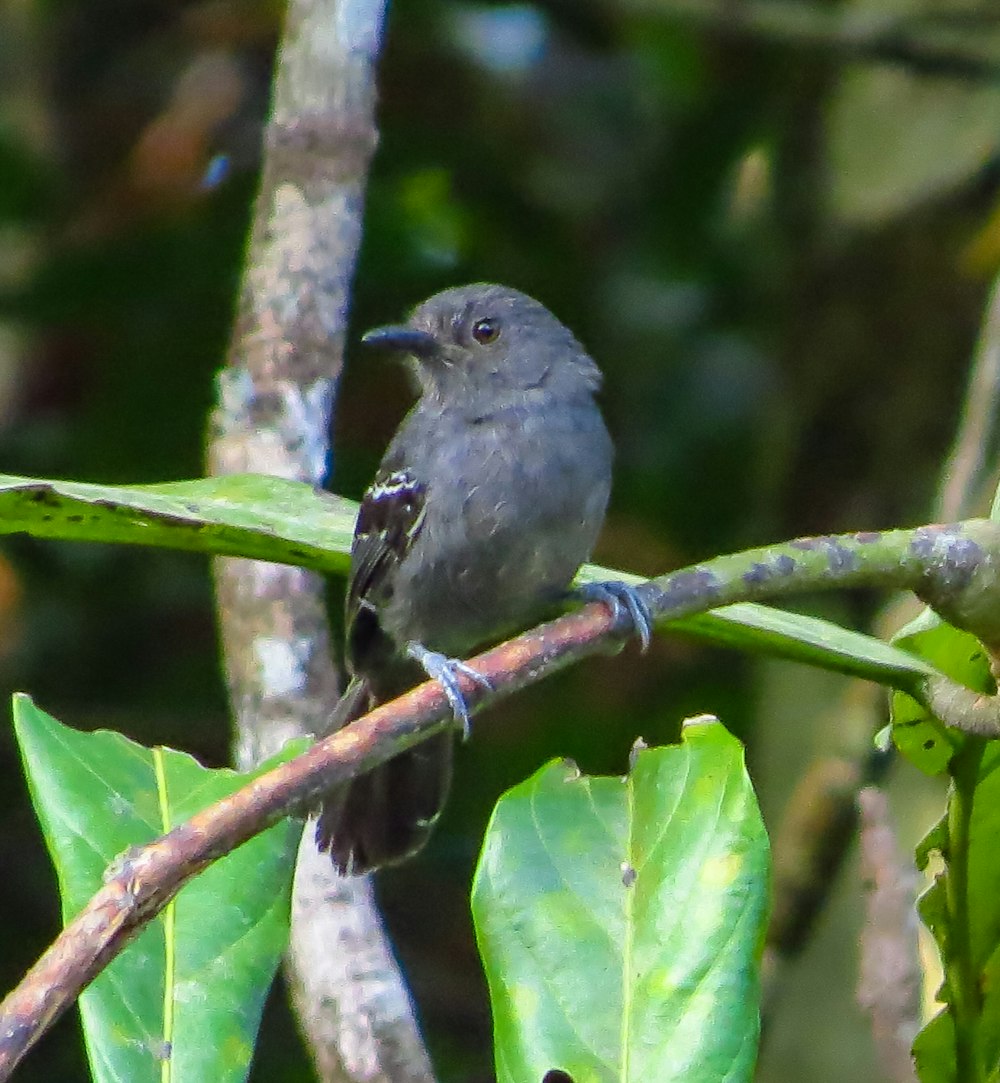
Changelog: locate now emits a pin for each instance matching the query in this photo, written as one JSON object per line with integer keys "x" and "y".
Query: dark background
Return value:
{"x": 777, "y": 249}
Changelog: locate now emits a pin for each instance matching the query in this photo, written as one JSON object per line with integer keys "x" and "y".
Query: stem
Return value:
{"x": 959, "y": 965}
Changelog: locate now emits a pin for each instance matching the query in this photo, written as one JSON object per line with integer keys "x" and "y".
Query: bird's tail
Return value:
{"x": 386, "y": 815}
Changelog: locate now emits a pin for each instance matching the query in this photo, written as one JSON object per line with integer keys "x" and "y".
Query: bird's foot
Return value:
{"x": 445, "y": 670}
{"x": 619, "y": 597}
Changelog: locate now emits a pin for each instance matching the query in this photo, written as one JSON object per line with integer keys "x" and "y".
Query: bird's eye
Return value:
{"x": 485, "y": 331}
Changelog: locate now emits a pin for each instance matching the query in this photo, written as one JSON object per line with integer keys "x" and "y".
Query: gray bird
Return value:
{"x": 488, "y": 499}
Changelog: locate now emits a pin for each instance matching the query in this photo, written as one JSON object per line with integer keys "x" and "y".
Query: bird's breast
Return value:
{"x": 511, "y": 512}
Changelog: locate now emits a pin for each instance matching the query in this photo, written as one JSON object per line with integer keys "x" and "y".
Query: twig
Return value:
{"x": 974, "y": 450}
{"x": 889, "y": 978}
{"x": 929, "y": 558}
{"x": 142, "y": 883}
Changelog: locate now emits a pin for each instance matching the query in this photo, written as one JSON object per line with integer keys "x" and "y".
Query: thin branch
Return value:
{"x": 890, "y": 973}
{"x": 974, "y": 450}
{"x": 146, "y": 879}
{"x": 946, "y": 561}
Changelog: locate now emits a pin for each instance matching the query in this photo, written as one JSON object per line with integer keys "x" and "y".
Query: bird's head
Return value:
{"x": 486, "y": 345}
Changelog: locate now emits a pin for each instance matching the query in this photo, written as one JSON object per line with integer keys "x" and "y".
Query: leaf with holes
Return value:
{"x": 923, "y": 740}
{"x": 183, "y": 1000}
{"x": 620, "y": 920}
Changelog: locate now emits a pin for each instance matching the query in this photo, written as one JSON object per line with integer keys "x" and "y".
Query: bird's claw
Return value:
{"x": 445, "y": 670}
{"x": 618, "y": 596}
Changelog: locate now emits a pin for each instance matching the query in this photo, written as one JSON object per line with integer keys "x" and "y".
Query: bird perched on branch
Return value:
{"x": 488, "y": 499}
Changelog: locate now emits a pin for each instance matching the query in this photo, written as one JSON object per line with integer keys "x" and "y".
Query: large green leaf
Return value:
{"x": 183, "y": 1000}
{"x": 275, "y": 519}
{"x": 251, "y": 515}
{"x": 620, "y": 920}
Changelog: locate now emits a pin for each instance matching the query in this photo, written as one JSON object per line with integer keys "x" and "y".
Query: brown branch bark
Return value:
{"x": 143, "y": 882}
{"x": 890, "y": 974}
{"x": 147, "y": 879}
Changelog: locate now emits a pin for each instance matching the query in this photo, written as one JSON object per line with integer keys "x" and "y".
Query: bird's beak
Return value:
{"x": 400, "y": 337}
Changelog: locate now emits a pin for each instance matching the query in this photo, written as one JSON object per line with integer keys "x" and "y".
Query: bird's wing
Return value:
{"x": 391, "y": 515}
{"x": 385, "y": 815}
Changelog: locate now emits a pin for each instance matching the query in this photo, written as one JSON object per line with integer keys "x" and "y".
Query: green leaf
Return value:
{"x": 183, "y": 1000}
{"x": 620, "y": 920}
{"x": 809, "y": 640}
{"x": 925, "y": 741}
{"x": 269, "y": 518}
{"x": 250, "y": 515}
{"x": 934, "y": 1051}
{"x": 962, "y": 910}
{"x": 799, "y": 638}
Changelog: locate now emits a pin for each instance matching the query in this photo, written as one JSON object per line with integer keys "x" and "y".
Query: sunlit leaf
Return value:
{"x": 620, "y": 920}
{"x": 187, "y": 993}
{"x": 271, "y": 518}
{"x": 251, "y": 515}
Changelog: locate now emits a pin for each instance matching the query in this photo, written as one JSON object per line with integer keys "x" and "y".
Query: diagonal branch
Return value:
{"x": 147, "y": 879}
{"x": 955, "y": 566}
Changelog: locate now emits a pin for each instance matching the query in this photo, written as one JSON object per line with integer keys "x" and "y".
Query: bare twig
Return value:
{"x": 973, "y": 454}
{"x": 952, "y": 559}
{"x": 889, "y": 979}
{"x": 142, "y": 883}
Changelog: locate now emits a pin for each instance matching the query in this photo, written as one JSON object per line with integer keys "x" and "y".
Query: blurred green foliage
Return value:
{"x": 784, "y": 353}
